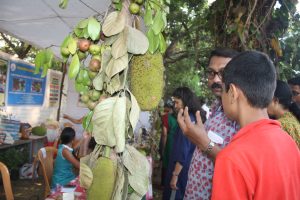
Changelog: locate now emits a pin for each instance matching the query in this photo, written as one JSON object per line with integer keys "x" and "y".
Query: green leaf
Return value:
{"x": 119, "y": 115}
{"x": 45, "y": 69}
{"x": 137, "y": 42}
{"x": 148, "y": 16}
{"x": 78, "y": 32}
{"x": 63, "y": 4}
{"x": 38, "y": 61}
{"x": 102, "y": 120}
{"x": 93, "y": 28}
{"x": 118, "y": 5}
{"x": 83, "y": 23}
{"x": 164, "y": 18}
{"x": 153, "y": 41}
{"x": 74, "y": 66}
{"x": 162, "y": 43}
{"x": 114, "y": 23}
{"x": 87, "y": 120}
{"x": 85, "y": 33}
{"x": 85, "y": 76}
{"x": 72, "y": 46}
{"x": 158, "y": 23}
{"x": 66, "y": 41}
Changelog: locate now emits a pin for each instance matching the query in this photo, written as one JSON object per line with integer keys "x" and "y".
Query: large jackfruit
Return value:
{"x": 147, "y": 79}
{"x": 104, "y": 175}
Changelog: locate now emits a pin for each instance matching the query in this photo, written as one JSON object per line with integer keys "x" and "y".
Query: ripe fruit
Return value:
{"x": 97, "y": 57}
{"x": 84, "y": 44}
{"x": 84, "y": 98}
{"x": 94, "y": 49}
{"x": 94, "y": 65}
{"x": 134, "y": 8}
{"x": 139, "y": 2}
{"x": 92, "y": 75}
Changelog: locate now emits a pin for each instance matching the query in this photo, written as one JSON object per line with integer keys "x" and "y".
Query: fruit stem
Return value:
{"x": 106, "y": 152}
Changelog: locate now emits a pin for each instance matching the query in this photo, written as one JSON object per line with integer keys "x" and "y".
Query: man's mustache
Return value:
{"x": 216, "y": 86}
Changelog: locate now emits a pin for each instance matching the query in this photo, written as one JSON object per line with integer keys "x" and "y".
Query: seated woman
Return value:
{"x": 65, "y": 160}
{"x": 285, "y": 111}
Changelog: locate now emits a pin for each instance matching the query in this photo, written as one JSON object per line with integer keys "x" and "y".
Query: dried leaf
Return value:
{"x": 99, "y": 79}
{"x": 114, "y": 84}
{"x": 114, "y": 23}
{"x": 86, "y": 176}
{"x": 119, "y": 115}
{"x": 137, "y": 42}
{"x": 119, "y": 47}
{"x": 102, "y": 120}
{"x": 119, "y": 184}
{"x": 116, "y": 66}
{"x": 134, "y": 111}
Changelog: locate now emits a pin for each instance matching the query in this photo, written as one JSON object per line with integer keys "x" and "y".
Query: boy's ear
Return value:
{"x": 234, "y": 92}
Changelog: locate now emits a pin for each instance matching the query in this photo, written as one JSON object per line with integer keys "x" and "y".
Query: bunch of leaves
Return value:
{"x": 43, "y": 60}
{"x": 155, "y": 18}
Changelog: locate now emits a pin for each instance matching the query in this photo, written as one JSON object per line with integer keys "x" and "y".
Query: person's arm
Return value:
{"x": 75, "y": 121}
{"x": 175, "y": 174}
{"x": 69, "y": 156}
{"x": 196, "y": 132}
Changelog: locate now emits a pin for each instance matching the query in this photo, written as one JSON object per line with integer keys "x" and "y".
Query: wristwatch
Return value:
{"x": 209, "y": 147}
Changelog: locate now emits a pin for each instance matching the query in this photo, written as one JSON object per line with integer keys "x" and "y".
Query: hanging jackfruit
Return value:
{"x": 147, "y": 79}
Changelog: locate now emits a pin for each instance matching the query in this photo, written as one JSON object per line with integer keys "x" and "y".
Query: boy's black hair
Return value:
{"x": 67, "y": 135}
{"x": 294, "y": 81}
{"x": 224, "y": 52}
{"x": 254, "y": 73}
{"x": 190, "y": 100}
{"x": 284, "y": 95}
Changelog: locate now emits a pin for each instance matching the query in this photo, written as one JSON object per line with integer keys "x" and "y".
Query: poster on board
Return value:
{"x": 54, "y": 84}
{"x": 24, "y": 87}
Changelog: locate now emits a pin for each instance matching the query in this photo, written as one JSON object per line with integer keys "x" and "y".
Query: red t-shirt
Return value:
{"x": 261, "y": 162}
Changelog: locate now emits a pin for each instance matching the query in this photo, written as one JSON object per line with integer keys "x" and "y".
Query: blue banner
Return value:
{"x": 24, "y": 87}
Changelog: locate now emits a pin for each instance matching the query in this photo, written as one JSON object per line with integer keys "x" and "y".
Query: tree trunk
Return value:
{"x": 64, "y": 66}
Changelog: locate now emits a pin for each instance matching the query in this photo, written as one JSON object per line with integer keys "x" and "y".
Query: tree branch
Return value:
{"x": 10, "y": 44}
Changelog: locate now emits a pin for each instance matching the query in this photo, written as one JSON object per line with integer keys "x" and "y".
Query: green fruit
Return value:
{"x": 147, "y": 79}
{"x": 81, "y": 55}
{"x": 91, "y": 104}
{"x": 139, "y": 2}
{"x": 39, "y": 130}
{"x": 95, "y": 49}
{"x": 92, "y": 75}
{"x": 134, "y": 8}
{"x": 65, "y": 51}
{"x": 84, "y": 98}
{"x": 95, "y": 95}
{"x": 80, "y": 76}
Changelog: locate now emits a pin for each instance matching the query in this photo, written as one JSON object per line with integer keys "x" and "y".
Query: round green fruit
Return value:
{"x": 95, "y": 49}
{"x": 92, "y": 75}
{"x": 91, "y": 105}
{"x": 95, "y": 95}
{"x": 140, "y": 2}
{"x": 98, "y": 57}
{"x": 84, "y": 98}
{"x": 65, "y": 51}
{"x": 134, "y": 8}
{"x": 81, "y": 55}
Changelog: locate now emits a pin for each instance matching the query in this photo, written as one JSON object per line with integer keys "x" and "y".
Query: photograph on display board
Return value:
{"x": 3, "y": 72}
{"x": 36, "y": 86}
{"x": 19, "y": 85}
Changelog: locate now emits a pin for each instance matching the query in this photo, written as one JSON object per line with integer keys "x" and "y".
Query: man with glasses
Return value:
{"x": 217, "y": 134}
{"x": 295, "y": 87}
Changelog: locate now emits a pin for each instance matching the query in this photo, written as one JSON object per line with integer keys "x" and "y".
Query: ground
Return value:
{"x": 34, "y": 190}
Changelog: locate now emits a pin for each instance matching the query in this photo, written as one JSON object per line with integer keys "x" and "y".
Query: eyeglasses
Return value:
{"x": 295, "y": 93}
{"x": 211, "y": 74}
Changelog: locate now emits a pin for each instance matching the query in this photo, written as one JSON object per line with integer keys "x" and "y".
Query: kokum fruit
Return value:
{"x": 97, "y": 57}
{"x": 139, "y": 2}
{"x": 147, "y": 79}
{"x": 81, "y": 55}
{"x": 83, "y": 44}
{"x": 134, "y": 8}
{"x": 65, "y": 51}
{"x": 94, "y": 65}
{"x": 92, "y": 75}
{"x": 91, "y": 104}
{"x": 84, "y": 98}
{"x": 94, "y": 49}
{"x": 95, "y": 95}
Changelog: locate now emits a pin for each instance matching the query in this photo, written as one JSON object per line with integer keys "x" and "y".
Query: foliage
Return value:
{"x": 13, "y": 158}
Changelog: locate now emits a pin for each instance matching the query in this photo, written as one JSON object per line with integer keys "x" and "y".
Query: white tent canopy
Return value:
{"x": 42, "y": 23}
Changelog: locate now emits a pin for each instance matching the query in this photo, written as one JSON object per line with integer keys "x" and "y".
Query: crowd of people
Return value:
{"x": 248, "y": 147}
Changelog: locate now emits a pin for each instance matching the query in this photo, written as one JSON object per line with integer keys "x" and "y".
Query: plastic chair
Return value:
{"x": 46, "y": 158}
{"x": 6, "y": 182}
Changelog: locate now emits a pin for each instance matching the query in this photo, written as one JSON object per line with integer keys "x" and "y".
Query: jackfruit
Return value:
{"x": 147, "y": 79}
{"x": 104, "y": 175}
{"x": 39, "y": 130}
